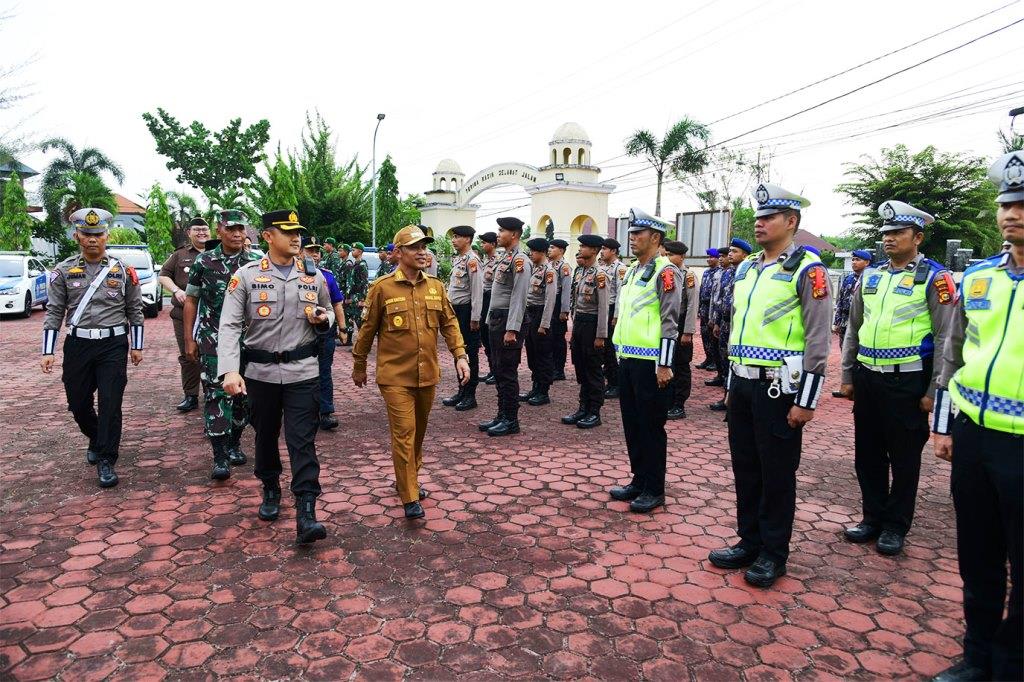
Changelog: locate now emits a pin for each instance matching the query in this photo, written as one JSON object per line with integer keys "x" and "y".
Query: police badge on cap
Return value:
{"x": 1008, "y": 174}
{"x": 773, "y": 199}
{"x": 898, "y": 215}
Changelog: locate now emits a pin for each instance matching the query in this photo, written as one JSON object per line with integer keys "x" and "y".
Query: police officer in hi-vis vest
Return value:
{"x": 981, "y": 374}
{"x": 898, "y": 317}
{"x": 648, "y": 308}
{"x": 778, "y": 349}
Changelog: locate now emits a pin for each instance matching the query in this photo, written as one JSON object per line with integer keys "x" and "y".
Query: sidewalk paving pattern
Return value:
{"x": 522, "y": 569}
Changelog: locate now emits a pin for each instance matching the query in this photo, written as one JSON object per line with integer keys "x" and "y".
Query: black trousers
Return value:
{"x": 463, "y": 312}
{"x": 505, "y": 364}
{"x": 587, "y": 361}
{"x": 559, "y": 327}
{"x": 538, "y": 349}
{"x": 97, "y": 369}
{"x": 841, "y": 333}
{"x": 485, "y": 335}
{"x": 299, "y": 405}
{"x": 988, "y": 485}
{"x": 644, "y": 409}
{"x": 609, "y": 361}
{"x": 765, "y": 456}
{"x": 890, "y": 431}
{"x": 708, "y": 342}
{"x": 681, "y": 374}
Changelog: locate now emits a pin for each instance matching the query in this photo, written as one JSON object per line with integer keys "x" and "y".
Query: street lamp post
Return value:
{"x": 373, "y": 200}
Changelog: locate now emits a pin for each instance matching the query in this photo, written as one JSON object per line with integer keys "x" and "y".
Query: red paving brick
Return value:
{"x": 522, "y": 567}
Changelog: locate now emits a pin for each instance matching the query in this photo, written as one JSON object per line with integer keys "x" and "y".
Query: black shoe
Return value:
{"x": 235, "y": 455}
{"x": 328, "y": 422}
{"x": 424, "y": 493}
{"x": 540, "y": 398}
{"x": 571, "y": 419}
{"x": 270, "y": 508}
{"x": 717, "y": 381}
{"x": 188, "y": 403}
{"x": 221, "y": 469}
{"x": 453, "y": 400}
{"x": 625, "y": 493}
{"x": 559, "y": 376}
{"x": 732, "y": 557}
{"x": 413, "y": 510}
{"x": 612, "y": 392}
{"x": 307, "y": 528}
{"x": 91, "y": 457}
{"x": 105, "y": 473}
{"x": 764, "y": 572}
{"x": 468, "y": 402}
{"x": 890, "y": 543}
{"x": 491, "y": 379}
{"x": 718, "y": 407}
{"x": 838, "y": 394}
{"x": 963, "y": 672}
{"x": 677, "y": 413}
{"x": 646, "y": 502}
{"x": 506, "y": 427}
{"x": 486, "y": 378}
{"x": 498, "y": 418}
{"x": 589, "y": 422}
{"x": 704, "y": 365}
{"x": 525, "y": 397}
{"x": 862, "y": 532}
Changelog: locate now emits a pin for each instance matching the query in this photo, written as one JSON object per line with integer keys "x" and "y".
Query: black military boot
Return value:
{"x": 91, "y": 456}
{"x": 525, "y": 397}
{"x": 270, "y": 508}
{"x": 307, "y": 528}
{"x": 188, "y": 403}
{"x": 468, "y": 401}
{"x": 105, "y": 473}
{"x": 590, "y": 421}
{"x": 490, "y": 379}
{"x": 453, "y": 400}
{"x": 540, "y": 397}
{"x": 611, "y": 392}
{"x": 574, "y": 418}
{"x": 506, "y": 427}
{"x": 221, "y": 470}
{"x": 498, "y": 418}
{"x": 235, "y": 455}
{"x": 328, "y": 422}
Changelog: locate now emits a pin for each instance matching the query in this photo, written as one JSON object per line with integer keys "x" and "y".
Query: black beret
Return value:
{"x": 462, "y": 231}
{"x": 538, "y": 244}
{"x": 198, "y": 221}
{"x": 594, "y": 240}
{"x": 511, "y": 223}
{"x": 489, "y": 237}
{"x": 612, "y": 244}
{"x": 560, "y": 243}
{"x": 676, "y": 247}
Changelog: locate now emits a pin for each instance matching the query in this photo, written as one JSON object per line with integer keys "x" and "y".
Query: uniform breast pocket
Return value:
{"x": 397, "y": 317}
{"x": 433, "y": 314}
{"x": 263, "y": 305}
{"x": 306, "y": 299}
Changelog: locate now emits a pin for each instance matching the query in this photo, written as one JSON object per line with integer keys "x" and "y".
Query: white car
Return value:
{"x": 138, "y": 256}
{"x": 23, "y": 282}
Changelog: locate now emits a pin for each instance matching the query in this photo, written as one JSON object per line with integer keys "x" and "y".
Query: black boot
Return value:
{"x": 525, "y": 397}
{"x": 573, "y": 418}
{"x": 718, "y": 407}
{"x": 589, "y": 421}
{"x": 468, "y": 401}
{"x": 235, "y": 455}
{"x": 498, "y": 418}
{"x": 271, "y": 506}
{"x": 221, "y": 469}
{"x": 328, "y": 422}
{"x": 455, "y": 399}
{"x": 677, "y": 413}
{"x": 105, "y": 473}
{"x": 612, "y": 392}
{"x": 307, "y": 529}
{"x": 188, "y": 403}
{"x": 540, "y": 397}
{"x": 506, "y": 427}
{"x": 490, "y": 379}
{"x": 91, "y": 456}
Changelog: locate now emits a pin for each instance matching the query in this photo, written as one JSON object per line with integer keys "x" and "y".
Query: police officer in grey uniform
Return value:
{"x": 560, "y": 320}
{"x": 278, "y": 307}
{"x": 505, "y": 321}
{"x": 489, "y": 248}
{"x": 100, "y": 297}
{"x": 681, "y": 374}
{"x": 615, "y": 269}
{"x": 590, "y": 315}
{"x": 466, "y": 293}
{"x": 540, "y": 304}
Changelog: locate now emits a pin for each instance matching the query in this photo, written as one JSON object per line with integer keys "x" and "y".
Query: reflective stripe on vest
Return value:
{"x": 767, "y": 324}
{"x": 897, "y": 326}
{"x": 989, "y": 388}
{"x": 638, "y": 329}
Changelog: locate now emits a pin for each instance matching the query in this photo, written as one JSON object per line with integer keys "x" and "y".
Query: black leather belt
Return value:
{"x": 275, "y": 358}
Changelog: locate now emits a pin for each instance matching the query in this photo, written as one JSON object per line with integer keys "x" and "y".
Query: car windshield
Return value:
{"x": 137, "y": 259}
{"x": 372, "y": 262}
{"x": 12, "y": 267}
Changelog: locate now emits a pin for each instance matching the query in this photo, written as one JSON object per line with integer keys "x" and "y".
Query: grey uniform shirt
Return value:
{"x": 266, "y": 310}
{"x": 563, "y": 274}
{"x": 939, "y": 314}
{"x": 543, "y": 291}
{"x": 688, "y": 313}
{"x": 491, "y": 262}
{"x": 615, "y": 270}
{"x": 590, "y": 288}
{"x": 466, "y": 283}
{"x": 511, "y": 285}
{"x": 117, "y": 301}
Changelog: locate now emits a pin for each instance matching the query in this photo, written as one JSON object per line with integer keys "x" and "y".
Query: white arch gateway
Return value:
{"x": 564, "y": 194}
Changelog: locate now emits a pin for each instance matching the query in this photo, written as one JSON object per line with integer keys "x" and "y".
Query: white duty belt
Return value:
{"x": 102, "y": 333}
{"x": 912, "y": 366}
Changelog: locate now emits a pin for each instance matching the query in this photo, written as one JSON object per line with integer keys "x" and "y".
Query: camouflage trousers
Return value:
{"x": 353, "y": 317}
{"x": 221, "y": 412}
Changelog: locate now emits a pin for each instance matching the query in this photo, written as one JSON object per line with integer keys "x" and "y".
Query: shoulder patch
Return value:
{"x": 265, "y": 264}
{"x": 945, "y": 288}
{"x": 622, "y": 271}
{"x": 233, "y": 284}
{"x": 520, "y": 262}
{"x": 473, "y": 264}
{"x": 132, "y": 275}
{"x": 565, "y": 269}
{"x": 550, "y": 277}
{"x": 668, "y": 279}
{"x": 602, "y": 279}
{"x": 689, "y": 280}
{"x": 819, "y": 283}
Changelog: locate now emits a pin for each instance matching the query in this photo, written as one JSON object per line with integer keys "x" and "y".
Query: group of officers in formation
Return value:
{"x": 262, "y": 329}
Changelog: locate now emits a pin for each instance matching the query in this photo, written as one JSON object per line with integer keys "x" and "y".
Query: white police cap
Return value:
{"x": 772, "y": 199}
{"x": 898, "y": 215}
{"x": 91, "y": 220}
{"x": 640, "y": 220}
{"x": 1008, "y": 174}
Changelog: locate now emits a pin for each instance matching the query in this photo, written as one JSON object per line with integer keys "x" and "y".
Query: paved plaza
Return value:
{"x": 523, "y": 568}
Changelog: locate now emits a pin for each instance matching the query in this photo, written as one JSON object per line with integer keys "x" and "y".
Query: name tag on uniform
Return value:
{"x": 784, "y": 276}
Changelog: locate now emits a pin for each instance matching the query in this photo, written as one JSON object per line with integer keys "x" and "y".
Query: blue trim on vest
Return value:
{"x": 761, "y": 353}
{"x": 890, "y": 353}
{"x": 639, "y": 350}
{"x": 997, "y": 403}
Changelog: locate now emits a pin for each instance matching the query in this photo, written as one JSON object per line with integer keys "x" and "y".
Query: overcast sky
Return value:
{"x": 488, "y": 82}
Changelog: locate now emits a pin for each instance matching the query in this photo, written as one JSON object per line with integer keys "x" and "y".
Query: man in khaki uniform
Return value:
{"x": 407, "y": 308}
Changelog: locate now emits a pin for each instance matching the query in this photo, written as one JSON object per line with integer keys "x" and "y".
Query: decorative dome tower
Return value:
{"x": 448, "y": 176}
{"x": 569, "y": 146}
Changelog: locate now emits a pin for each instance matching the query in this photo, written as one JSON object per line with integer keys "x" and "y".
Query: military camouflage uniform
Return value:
{"x": 344, "y": 277}
{"x": 332, "y": 261}
{"x": 207, "y": 283}
{"x": 359, "y": 284}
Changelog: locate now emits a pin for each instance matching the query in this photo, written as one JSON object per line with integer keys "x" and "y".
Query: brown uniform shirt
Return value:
{"x": 176, "y": 267}
{"x": 408, "y": 316}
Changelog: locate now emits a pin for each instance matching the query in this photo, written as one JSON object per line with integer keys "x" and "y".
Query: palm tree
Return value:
{"x": 82, "y": 190}
{"x": 58, "y": 176}
{"x": 183, "y": 207}
{"x": 677, "y": 152}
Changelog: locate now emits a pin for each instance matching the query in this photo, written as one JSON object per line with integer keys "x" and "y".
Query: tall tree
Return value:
{"x": 84, "y": 190}
{"x": 212, "y": 162}
{"x": 393, "y": 212}
{"x": 58, "y": 177}
{"x": 183, "y": 208}
{"x": 683, "y": 151}
{"x": 159, "y": 225}
{"x": 952, "y": 187}
{"x": 15, "y": 222}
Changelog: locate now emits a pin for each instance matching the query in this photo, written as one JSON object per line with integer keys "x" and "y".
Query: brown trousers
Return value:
{"x": 189, "y": 369}
{"x": 408, "y": 410}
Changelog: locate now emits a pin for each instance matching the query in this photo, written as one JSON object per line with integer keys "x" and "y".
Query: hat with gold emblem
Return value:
{"x": 91, "y": 220}
{"x": 772, "y": 199}
{"x": 409, "y": 235}
{"x": 283, "y": 220}
{"x": 1008, "y": 173}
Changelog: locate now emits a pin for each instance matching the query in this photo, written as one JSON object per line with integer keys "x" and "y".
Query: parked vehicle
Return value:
{"x": 23, "y": 283}
{"x": 138, "y": 256}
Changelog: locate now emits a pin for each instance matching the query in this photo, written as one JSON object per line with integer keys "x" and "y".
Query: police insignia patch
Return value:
{"x": 263, "y": 296}
{"x": 689, "y": 280}
{"x": 520, "y": 263}
{"x": 265, "y": 264}
{"x": 622, "y": 273}
{"x": 112, "y": 283}
{"x": 132, "y": 275}
{"x": 944, "y": 288}
{"x": 397, "y": 320}
{"x": 72, "y": 271}
{"x": 233, "y": 284}
{"x": 979, "y": 287}
{"x": 308, "y": 310}
{"x": 307, "y": 279}
{"x": 601, "y": 280}
{"x": 550, "y": 277}
{"x": 262, "y": 278}
{"x": 565, "y": 270}
{"x": 263, "y": 310}
{"x": 818, "y": 282}
{"x": 668, "y": 279}
{"x": 310, "y": 295}
{"x": 472, "y": 266}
